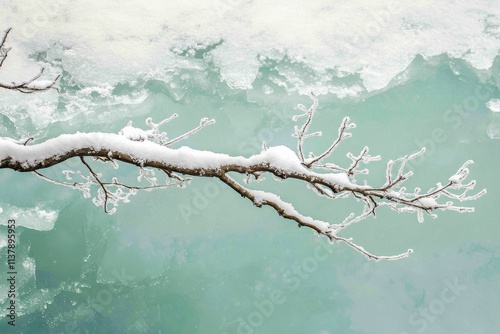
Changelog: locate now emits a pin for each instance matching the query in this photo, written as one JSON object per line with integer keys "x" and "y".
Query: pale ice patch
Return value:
{"x": 494, "y": 105}
{"x": 30, "y": 266}
{"x": 238, "y": 66}
{"x": 344, "y": 91}
{"x": 35, "y": 218}
{"x": 3, "y": 240}
{"x": 41, "y": 111}
{"x": 267, "y": 90}
{"x": 103, "y": 90}
{"x": 493, "y": 130}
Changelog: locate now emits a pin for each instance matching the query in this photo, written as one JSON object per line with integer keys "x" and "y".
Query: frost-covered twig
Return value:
{"x": 155, "y": 135}
{"x": 114, "y": 192}
{"x": 363, "y": 157}
{"x": 342, "y": 134}
{"x": 4, "y": 51}
{"x": 154, "y": 132}
{"x": 301, "y": 133}
{"x": 203, "y": 123}
{"x": 28, "y": 86}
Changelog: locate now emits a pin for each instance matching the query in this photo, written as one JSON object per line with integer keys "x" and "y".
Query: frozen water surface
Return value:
{"x": 202, "y": 259}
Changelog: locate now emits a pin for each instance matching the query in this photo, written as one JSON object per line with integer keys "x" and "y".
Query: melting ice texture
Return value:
{"x": 345, "y": 48}
{"x": 35, "y": 218}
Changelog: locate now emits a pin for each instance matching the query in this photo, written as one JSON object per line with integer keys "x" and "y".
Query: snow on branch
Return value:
{"x": 148, "y": 150}
{"x": 30, "y": 85}
{"x": 156, "y": 135}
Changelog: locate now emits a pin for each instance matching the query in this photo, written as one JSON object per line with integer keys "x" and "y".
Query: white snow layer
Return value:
{"x": 262, "y": 196}
{"x": 279, "y": 157}
{"x": 40, "y": 84}
{"x": 428, "y": 202}
{"x": 101, "y": 42}
{"x": 132, "y": 133}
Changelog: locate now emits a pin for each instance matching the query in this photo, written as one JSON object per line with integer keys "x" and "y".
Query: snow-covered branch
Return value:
{"x": 147, "y": 149}
{"x": 30, "y": 85}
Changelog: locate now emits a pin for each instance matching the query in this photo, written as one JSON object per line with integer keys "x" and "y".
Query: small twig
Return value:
{"x": 51, "y": 180}
{"x": 25, "y": 87}
{"x": 203, "y": 123}
{"x": 103, "y": 187}
{"x": 3, "y": 50}
{"x": 341, "y": 136}
{"x": 301, "y": 133}
{"x": 28, "y": 140}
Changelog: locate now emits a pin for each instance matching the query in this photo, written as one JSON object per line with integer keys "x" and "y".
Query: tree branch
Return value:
{"x": 132, "y": 146}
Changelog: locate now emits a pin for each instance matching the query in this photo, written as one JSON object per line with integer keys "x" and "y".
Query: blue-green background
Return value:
{"x": 149, "y": 268}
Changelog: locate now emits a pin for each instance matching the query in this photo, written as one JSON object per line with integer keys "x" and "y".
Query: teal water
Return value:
{"x": 204, "y": 260}
{"x": 157, "y": 267}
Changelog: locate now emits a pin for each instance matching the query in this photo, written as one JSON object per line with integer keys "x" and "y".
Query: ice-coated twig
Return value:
{"x": 160, "y": 137}
{"x": 154, "y": 133}
{"x": 4, "y": 51}
{"x": 363, "y": 157}
{"x": 401, "y": 176}
{"x": 114, "y": 192}
{"x": 103, "y": 191}
{"x": 342, "y": 134}
{"x": 28, "y": 86}
{"x": 301, "y": 133}
{"x": 203, "y": 123}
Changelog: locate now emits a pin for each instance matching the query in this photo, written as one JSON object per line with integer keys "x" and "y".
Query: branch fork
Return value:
{"x": 150, "y": 151}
